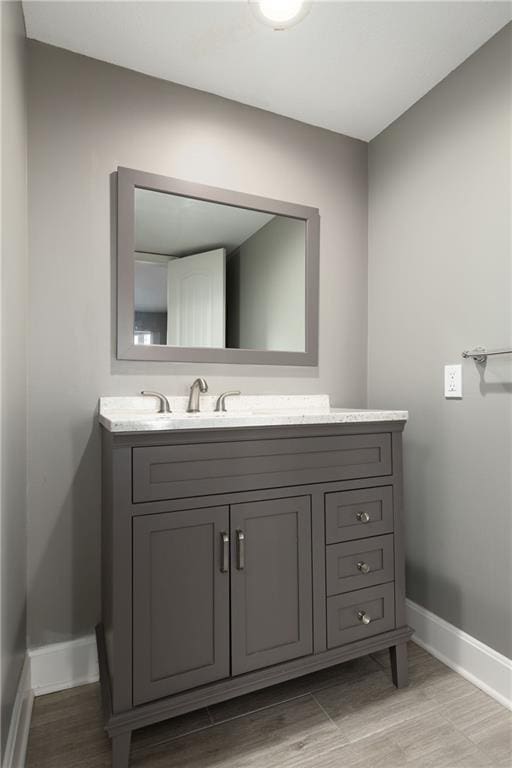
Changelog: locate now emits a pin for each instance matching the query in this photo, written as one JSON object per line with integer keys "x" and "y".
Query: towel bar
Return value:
{"x": 480, "y": 354}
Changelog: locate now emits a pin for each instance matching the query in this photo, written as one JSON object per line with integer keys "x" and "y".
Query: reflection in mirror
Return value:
{"x": 214, "y": 275}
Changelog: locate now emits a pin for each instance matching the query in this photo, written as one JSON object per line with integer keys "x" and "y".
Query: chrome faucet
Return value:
{"x": 221, "y": 401}
{"x": 164, "y": 406}
{"x": 199, "y": 386}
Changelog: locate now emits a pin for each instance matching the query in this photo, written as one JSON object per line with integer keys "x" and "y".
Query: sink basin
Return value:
{"x": 200, "y": 415}
{"x": 216, "y": 414}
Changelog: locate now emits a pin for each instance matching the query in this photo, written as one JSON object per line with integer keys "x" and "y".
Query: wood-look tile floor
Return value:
{"x": 349, "y": 716}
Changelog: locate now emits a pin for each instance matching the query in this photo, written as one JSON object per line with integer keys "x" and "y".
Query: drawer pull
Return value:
{"x": 363, "y": 517}
{"x": 363, "y": 567}
{"x": 363, "y": 617}
{"x": 240, "y": 549}
{"x": 224, "y": 566}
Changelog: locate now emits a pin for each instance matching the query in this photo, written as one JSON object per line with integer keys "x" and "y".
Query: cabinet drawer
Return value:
{"x": 357, "y": 514}
{"x": 177, "y": 471}
{"x": 345, "y": 614}
{"x": 358, "y": 564}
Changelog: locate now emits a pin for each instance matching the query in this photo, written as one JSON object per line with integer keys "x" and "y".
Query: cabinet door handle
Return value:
{"x": 363, "y": 567}
{"x": 224, "y": 564}
{"x": 240, "y": 549}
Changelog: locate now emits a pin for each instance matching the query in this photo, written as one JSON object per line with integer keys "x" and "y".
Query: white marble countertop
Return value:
{"x": 139, "y": 414}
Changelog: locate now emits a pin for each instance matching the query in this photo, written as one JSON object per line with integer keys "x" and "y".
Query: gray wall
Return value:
{"x": 13, "y": 302}
{"x": 440, "y": 282}
{"x": 269, "y": 288}
{"x": 86, "y": 118}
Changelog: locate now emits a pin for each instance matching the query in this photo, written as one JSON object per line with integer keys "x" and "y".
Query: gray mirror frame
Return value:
{"x": 127, "y": 180}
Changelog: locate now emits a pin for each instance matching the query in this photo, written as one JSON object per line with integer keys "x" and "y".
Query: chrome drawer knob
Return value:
{"x": 363, "y": 567}
{"x": 363, "y": 617}
{"x": 363, "y": 517}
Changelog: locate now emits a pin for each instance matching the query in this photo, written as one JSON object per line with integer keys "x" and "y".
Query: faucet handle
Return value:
{"x": 164, "y": 406}
{"x": 221, "y": 400}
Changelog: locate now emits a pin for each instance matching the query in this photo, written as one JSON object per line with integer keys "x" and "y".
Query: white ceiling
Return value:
{"x": 179, "y": 226}
{"x": 352, "y": 67}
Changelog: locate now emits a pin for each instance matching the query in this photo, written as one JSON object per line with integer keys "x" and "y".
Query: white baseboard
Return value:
{"x": 64, "y": 665}
{"x": 481, "y": 665}
{"x": 17, "y": 737}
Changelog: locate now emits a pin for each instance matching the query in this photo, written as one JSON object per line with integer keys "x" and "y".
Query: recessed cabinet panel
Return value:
{"x": 271, "y": 582}
{"x": 359, "y": 564}
{"x": 176, "y": 471}
{"x": 180, "y": 601}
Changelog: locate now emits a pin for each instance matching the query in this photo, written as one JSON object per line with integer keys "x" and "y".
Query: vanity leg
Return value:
{"x": 121, "y": 750}
{"x": 399, "y": 672}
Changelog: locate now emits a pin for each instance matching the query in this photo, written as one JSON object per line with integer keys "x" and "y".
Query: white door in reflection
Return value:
{"x": 196, "y": 300}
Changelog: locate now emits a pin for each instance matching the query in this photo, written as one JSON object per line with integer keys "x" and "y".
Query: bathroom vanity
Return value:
{"x": 242, "y": 549}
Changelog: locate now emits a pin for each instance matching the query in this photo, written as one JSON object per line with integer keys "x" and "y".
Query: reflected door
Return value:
{"x": 196, "y": 288}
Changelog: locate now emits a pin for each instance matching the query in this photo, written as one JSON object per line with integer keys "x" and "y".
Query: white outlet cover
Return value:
{"x": 453, "y": 381}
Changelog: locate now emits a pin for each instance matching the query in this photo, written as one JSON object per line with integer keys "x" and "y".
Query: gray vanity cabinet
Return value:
{"x": 238, "y": 558}
{"x": 271, "y": 588}
{"x": 180, "y": 602}
{"x": 183, "y": 566}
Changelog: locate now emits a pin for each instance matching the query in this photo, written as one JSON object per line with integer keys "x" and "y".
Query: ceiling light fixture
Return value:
{"x": 280, "y": 14}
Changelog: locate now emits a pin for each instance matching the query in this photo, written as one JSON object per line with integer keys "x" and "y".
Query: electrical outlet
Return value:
{"x": 453, "y": 381}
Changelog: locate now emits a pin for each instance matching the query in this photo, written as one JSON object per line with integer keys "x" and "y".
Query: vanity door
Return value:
{"x": 271, "y": 582}
{"x": 180, "y": 601}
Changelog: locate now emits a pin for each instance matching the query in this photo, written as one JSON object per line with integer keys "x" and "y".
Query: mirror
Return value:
{"x": 214, "y": 274}
{"x": 210, "y": 275}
